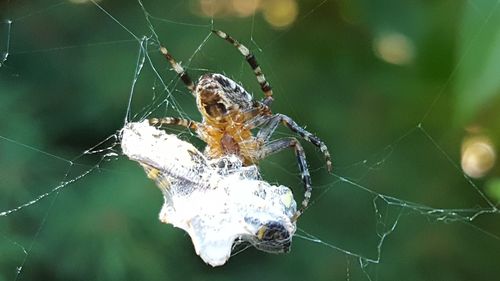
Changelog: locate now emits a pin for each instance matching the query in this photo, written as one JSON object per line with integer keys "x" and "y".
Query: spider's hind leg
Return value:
{"x": 284, "y": 143}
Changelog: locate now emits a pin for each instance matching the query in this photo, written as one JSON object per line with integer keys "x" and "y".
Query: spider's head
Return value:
{"x": 219, "y": 97}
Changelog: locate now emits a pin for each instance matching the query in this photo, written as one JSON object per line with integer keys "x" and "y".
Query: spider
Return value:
{"x": 229, "y": 114}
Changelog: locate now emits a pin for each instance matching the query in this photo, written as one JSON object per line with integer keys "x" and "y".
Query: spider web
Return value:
{"x": 400, "y": 202}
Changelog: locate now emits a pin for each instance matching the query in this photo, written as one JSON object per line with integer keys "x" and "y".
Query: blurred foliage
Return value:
{"x": 479, "y": 51}
{"x": 393, "y": 87}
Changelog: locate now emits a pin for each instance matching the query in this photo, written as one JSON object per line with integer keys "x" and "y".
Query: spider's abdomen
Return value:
{"x": 230, "y": 140}
{"x": 229, "y": 145}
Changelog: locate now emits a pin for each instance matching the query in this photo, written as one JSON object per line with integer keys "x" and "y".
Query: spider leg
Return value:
{"x": 256, "y": 121}
{"x": 252, "y": 61}
{"x": 193, "y": 125}
{"x": 272, "y": 123}
{"x": 186, "y": 79}
{"x": 255, "y": 116}
{"x": 281, "y": 144}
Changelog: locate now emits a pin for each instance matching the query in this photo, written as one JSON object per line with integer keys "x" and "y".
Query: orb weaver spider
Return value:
{"x": 229, "y": 113}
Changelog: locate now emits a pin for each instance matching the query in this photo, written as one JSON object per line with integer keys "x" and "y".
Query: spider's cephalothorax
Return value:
{"x": 230, "y": 113}
{"x": 220, "y": 99}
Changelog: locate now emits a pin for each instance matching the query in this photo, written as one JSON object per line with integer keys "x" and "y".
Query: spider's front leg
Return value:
{"x": 290, "y": 142}
{"x": 271, "y": 123}
{"x": 193, "y": 125}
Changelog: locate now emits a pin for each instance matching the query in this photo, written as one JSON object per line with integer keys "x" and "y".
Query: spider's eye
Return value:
{"x": 212, "y": 103}
{"x": 221, "y": 108}
{"x": 216, "y": 109}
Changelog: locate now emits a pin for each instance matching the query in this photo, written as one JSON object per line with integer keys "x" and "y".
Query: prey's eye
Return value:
{"x": 273, "y": 237}
{"x": 273, "y": 231}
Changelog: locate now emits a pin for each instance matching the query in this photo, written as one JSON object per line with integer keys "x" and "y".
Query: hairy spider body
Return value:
{"x": 229, "y": 114}
{"x": 226, "y": 109}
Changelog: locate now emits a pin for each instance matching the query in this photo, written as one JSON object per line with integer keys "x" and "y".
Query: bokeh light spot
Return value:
{"x": 245, "y": 8}
{"x": 394, "y": 48}
{"x": 478, "y": 156}
{"x": 280, "y": 13}
{"x": 211, "y": 8}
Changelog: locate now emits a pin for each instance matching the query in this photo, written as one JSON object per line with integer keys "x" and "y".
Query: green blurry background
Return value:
{"x": 405, "y": 94}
